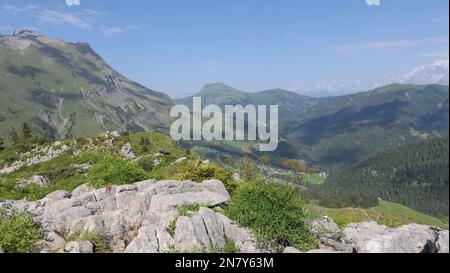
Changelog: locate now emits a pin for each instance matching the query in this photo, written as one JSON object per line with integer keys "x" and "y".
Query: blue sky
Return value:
{"x": 177, "y": 46}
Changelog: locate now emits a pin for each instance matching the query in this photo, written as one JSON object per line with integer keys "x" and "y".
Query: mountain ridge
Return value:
{"x": 66, "y": 89}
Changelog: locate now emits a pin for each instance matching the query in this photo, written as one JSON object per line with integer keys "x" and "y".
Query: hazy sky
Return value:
{"x": 177, "y": 46}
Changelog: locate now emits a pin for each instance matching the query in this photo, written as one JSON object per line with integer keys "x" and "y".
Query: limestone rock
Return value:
{"x": 180, "y": 160}
{"x": 291, "y": 250}
{"x": 329, "y": 236}
{"x": 442, "y": 242}
{"x": 37, "y": 180}
{"x": 131, "y": 218}
{"x": 127, "y": 152}
{"x": 79, "y": 247}
{"x": 370, "y": 237}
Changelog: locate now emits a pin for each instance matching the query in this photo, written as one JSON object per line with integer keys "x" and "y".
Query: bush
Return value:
{"x": 146, "y": 163}
{"x": 18, "y": 233}
{"x": 274, "y": 212}
{"x": 188, "y": 210}
{"x": 199, "y": 172}
{"x": 230, "y": 247}
{"x": 93, "y": 237}
{"x": 115, "y": 171}
{"x": 248, "y": 170}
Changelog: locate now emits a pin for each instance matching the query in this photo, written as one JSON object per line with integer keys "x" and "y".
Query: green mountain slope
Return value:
{"x": 66, "y": 89}
{"x": 337, "y": 132}
{"x": 385, "y": 213}
{"x": 344, "y": 130}
{"x": 291, "y": 105}
{"x": 414, "y": 175}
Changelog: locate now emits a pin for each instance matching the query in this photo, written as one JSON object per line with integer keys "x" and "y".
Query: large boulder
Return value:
{"x": 127, "y": 152}
{"x": 370, "y": 237}
{"x": 79, "y": 247}
{"x": 329, "y": 236}
{"x": 208, "y": 231}
{"x": 135, "y": 218}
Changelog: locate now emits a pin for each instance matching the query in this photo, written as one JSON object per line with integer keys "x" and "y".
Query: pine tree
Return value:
{"x": 26, "y": 131}
{"x": 13, "y": 136}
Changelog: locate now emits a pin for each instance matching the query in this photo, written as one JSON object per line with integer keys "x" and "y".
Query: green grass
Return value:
{"x": 98, "y": 241}
{"x": 315, "y": 179}
{"x": 346, "y": 216}
{"x": 274, "y": 212}
{"x": 18, "y": 233}
{"x": 189, "y": 210}
{"x": 157, "y": 143}
{"x": 172, "y": 227}
{"x": 230, "y": 247}
{"x": 386, "y": 213}
{"x": 393, "y": 214}
{"x": 60, "y": 171}
{"x": 115, "y": 171}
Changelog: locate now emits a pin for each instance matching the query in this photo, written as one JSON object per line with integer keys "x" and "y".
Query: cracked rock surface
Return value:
{"x": 136, "y": 218}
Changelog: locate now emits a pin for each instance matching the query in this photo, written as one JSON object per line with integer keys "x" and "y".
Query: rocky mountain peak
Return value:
{"x": 24, "y": 33}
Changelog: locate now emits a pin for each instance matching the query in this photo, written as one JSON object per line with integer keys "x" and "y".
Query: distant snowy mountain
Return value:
{"x": 436, "y": 73}
{"x": 342, "y": 87}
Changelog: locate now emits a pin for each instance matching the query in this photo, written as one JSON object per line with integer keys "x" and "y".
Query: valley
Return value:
{"x": 82, "y": 146}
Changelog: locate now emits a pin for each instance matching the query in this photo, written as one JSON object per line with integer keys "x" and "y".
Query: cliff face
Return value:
{"x": 66, "y": 89}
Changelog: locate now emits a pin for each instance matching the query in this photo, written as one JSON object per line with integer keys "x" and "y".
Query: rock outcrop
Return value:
{"x": 37, "y": 156}
{"x": 127, "y": 151}
{"x": 329, "y": 236}
{"x": 136, "y": 218}
{"x": 145, "y": 217}
{"x": 370, "y": 237}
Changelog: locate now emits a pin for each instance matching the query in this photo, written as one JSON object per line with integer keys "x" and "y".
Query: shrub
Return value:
{"x": 18, "y": 233}
{"x": 198, "y": 172}
{"x": 274, "y": 212}
{"x": 188, "y": 210}
{"x": 172, "y": 227}
{"x": 248, "y": 170}
{"x": 115, "y": 171}
{"x": 146, "y": 163}
{"x": 230, "y": 246}
{"x": 93, "y": 237}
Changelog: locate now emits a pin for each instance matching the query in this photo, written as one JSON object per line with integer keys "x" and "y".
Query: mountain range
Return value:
{"x": 67, "y": 90}
{"x": 435, "y": 73}
{"x": 335, "y": 132}
{"x": 415, "y": 175}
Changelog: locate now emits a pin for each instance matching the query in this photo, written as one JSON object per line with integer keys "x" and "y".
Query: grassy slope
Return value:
{"x": 64, "y": 176}
{"x": 66, "y": 90}
{"x": 386, "y": 213}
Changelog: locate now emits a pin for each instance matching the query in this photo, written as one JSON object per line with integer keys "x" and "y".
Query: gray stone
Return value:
{"x": 242, "y": 238}
{"x": 370, "y": 237}
{"x": 137, "y": 215}
{"x": 79, "y": 247}
{"x": 329, "y": 236}
{"x": 180, "y": 160}
{"x": 127, "y": 152}
{"x": 185, "y": 238}
{"x": 145, "y": 242}
{"x": 291, "y": 250}
{"x": 443, "y": 242}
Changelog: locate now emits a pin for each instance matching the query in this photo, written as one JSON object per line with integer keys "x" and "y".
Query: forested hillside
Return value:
{"x": 414, "y": 175}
